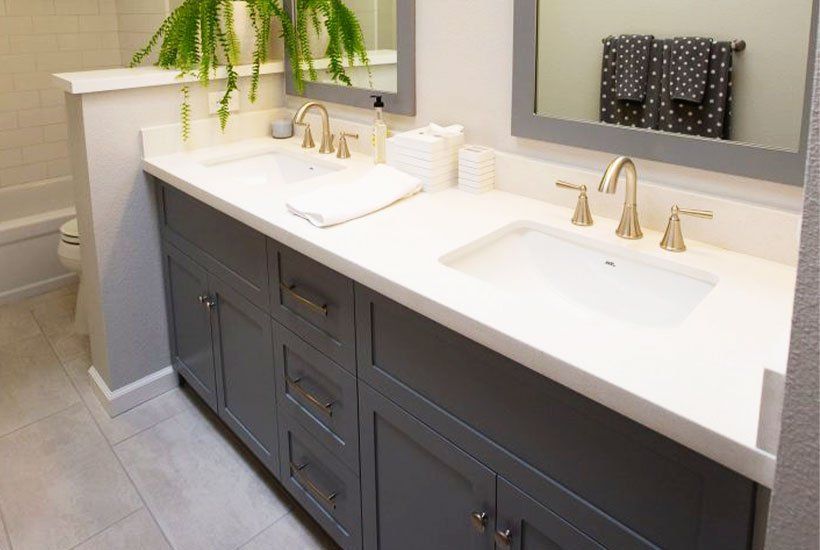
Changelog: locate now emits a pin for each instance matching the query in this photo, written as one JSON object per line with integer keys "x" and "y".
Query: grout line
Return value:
{"x": 4, "y": 532}
{"x": 105, "y": 528}
{"x": 46, "y": 417}
{"x": 288, "y": 512}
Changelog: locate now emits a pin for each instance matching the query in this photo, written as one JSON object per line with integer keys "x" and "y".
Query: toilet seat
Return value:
{"x": 70, "y": 232}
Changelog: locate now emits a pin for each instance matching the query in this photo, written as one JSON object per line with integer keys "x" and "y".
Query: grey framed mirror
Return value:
{"x": 389, "y": 28}
{"x": 720, "y": 85}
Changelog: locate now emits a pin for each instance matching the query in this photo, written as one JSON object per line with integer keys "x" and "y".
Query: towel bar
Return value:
{"x": 738, "y": 45}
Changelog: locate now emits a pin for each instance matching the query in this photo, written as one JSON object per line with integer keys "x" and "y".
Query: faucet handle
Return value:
{"x": 307, "y": 138}
{"x": 582, "y": 215}
{"x": 673, "y": 236}
{"x": 344, "y": 150}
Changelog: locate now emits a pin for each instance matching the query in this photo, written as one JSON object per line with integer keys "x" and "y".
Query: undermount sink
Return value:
{"x": 533, "y": 260}
{"x": 267, "y": 168}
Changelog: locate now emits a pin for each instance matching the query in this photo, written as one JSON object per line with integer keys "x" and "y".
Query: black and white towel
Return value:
{"x": 638, "y": 114}
{"x": 689, "y": 68}
{"x": 712, "y": 117}
{"x": 632, "y": 55}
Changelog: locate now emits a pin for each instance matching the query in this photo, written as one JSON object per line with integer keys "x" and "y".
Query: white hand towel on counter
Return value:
{"x": 380, "y": 187}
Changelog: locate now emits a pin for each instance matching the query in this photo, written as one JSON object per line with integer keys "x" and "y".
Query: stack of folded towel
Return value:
{"x": 429, "y": 153}
{"x": 341, "y": 202}
{"x": 476, "y": 169}
{"x": 681, "y": 85}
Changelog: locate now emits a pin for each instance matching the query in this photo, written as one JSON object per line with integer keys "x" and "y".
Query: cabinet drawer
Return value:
{"x": 551, "y": 440}
{"x": 313, "y": 301}
{"x": 325, "y": 487}
{"x": 318, "y": 393}
{"x": 226, "y": 247}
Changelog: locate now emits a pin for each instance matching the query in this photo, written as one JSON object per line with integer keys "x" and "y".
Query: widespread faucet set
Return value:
{"x": 326, "y": 145}
{"x": 629, "y": 226}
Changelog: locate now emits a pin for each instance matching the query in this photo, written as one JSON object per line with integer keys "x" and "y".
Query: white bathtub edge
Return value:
{"x": 38, "y": 287}
{"x": 35, "y": 225}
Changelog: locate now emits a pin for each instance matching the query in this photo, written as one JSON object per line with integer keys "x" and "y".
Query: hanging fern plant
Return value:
{"x": 199, "y": 36}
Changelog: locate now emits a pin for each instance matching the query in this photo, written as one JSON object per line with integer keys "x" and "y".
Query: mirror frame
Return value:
{"x": 403, "y": 101}
{"x": 742, "y": 159}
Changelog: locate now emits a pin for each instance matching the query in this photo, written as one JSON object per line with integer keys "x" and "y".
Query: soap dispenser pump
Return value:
{"x": 379, "y": 132}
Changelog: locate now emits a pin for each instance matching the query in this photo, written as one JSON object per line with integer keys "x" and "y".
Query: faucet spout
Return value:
{"x": 629, "y": 227}
{"x": 326, "y": 145}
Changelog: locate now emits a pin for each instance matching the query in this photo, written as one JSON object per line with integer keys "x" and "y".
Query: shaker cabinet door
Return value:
{"x": 418, "y": 489}
{"x": 186, "y": 288}
{"x": 243, "y": 347}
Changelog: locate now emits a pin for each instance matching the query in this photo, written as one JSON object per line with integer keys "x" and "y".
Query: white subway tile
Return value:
{"x": 10, "y": 139}
{"x": 101, "y": 59}
{"x": 143, "y": 22}
{"x": 140, "y": 6}
{"x": 109, "y": 40}
{"x": 76, "y": 7}
{"x": 29, "y": 7}
{"x": 59, "y": 167}
{"x": 41, "y": 116}
{"x": 78, "y": 41}
{"x": 54, "y": 62}
{"x": 47, "y": 24}
{"x": 55, "y": 132}
{"x": 32, "y": 81}
{"x": 108, "y": 6}
{"x": 52, "y": 97}
{"x": 16, "y": 63}
{"x": 4, "y": 42}
{"x": 14, "y": 101}
{"x": 23, "y": 174}
{"x": 45, "y": 151}
{"x": 33, "y": 43}
{"x": 15, "y": 25}
{"x": 98, "y": 23}
{"x": 11, "y": 157}
{"x": 8, "y": 120}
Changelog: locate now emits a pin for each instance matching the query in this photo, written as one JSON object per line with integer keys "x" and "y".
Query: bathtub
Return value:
{"x": 30, "y": 219}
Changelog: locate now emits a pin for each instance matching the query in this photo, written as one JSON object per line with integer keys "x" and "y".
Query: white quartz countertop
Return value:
{"x": 698, "y": 383}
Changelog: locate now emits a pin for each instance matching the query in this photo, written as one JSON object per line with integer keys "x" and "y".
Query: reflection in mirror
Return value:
{"x": 721, "y": 69}
{"x": 378, "y": 22}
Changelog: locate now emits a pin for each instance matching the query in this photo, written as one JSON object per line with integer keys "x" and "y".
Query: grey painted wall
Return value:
{"x": 768, "y": 105}
{"x": 794, "y": 518}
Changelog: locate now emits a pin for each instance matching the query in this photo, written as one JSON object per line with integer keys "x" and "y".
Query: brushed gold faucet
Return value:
{"x": 673, "y": 236}
{"x": 629, "y": 227}
{"x": 326, "y": 145}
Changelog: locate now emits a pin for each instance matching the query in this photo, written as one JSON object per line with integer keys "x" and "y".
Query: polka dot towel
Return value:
{"x": 689, "y": 68}
{"x": 632, "y": 53}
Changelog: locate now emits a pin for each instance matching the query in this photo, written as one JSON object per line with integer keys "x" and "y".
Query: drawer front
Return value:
{"x": 226, "y": 247}
{"x": 318, "y": 393}
{"x": 516, "y": 421}
{"x": 313, "y": 301}
{"x": 325, "y": 487}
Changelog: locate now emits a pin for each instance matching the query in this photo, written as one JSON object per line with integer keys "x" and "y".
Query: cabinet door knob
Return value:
{"x": 207, "y": 301}
{"x": 479, "y": 520}
{"x": 503, "y": 538}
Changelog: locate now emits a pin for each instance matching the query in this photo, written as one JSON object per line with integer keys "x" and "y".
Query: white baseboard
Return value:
{"x": 39, "y": 287}
{"x": 129, "y": 396}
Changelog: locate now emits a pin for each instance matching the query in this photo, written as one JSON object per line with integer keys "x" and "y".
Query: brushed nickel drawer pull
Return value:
{"x": 302, "y": 300}
{"x": 296, "y": 470}
{"x": 479, "y": 520}
{"x": 325, "y": 407}
{"x": 503, "y": 538}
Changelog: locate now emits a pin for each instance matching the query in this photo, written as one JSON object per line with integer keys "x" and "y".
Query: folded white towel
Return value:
{"x": 381, "y": 186}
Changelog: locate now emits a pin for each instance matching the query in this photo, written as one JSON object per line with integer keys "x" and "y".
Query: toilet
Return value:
{"x": 69, "y": 252}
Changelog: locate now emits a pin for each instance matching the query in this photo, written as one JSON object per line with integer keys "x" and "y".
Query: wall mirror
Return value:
{"x": 388, "y": 27}
{"x": 721, "y": 85}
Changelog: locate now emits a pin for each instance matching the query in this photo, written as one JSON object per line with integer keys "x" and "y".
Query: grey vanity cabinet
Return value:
{"x": 243, "y": 350}
{"x": 418, "y": 489}
{"x": 189, "y": 323}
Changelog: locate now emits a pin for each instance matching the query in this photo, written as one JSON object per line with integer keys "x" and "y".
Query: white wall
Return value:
{"x": 768, "y": 79}
{"x": 464, "y": 53}
{"x": 37, "y": 39}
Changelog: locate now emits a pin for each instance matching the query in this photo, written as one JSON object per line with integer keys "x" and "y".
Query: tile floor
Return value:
{"x": 165, "y": 475}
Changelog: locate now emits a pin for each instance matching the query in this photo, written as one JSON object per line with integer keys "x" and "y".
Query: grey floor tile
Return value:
{"x": 61, "y": 483}
{"x": 33, "y": 384}
{"x": 16, "y": 323}
{"x": 293, "y": 532}
{"x": 138, "y": 531}
{"x": 65, "y": 290}
{"x": 202, "y": 490}
{"x": 56, "y": 319}
{"x": 130, "y": 422}
{"x": 4, "y": 540}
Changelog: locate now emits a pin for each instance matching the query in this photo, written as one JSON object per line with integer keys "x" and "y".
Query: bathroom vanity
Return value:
{"x": 394, "y": 431}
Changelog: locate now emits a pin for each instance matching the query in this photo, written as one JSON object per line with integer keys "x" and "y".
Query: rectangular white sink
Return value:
{"x": 267, "y": 168}
{"x": 534, "y": 260}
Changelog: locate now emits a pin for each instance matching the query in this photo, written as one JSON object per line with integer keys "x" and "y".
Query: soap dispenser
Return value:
{"x": 379, "y": 132}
